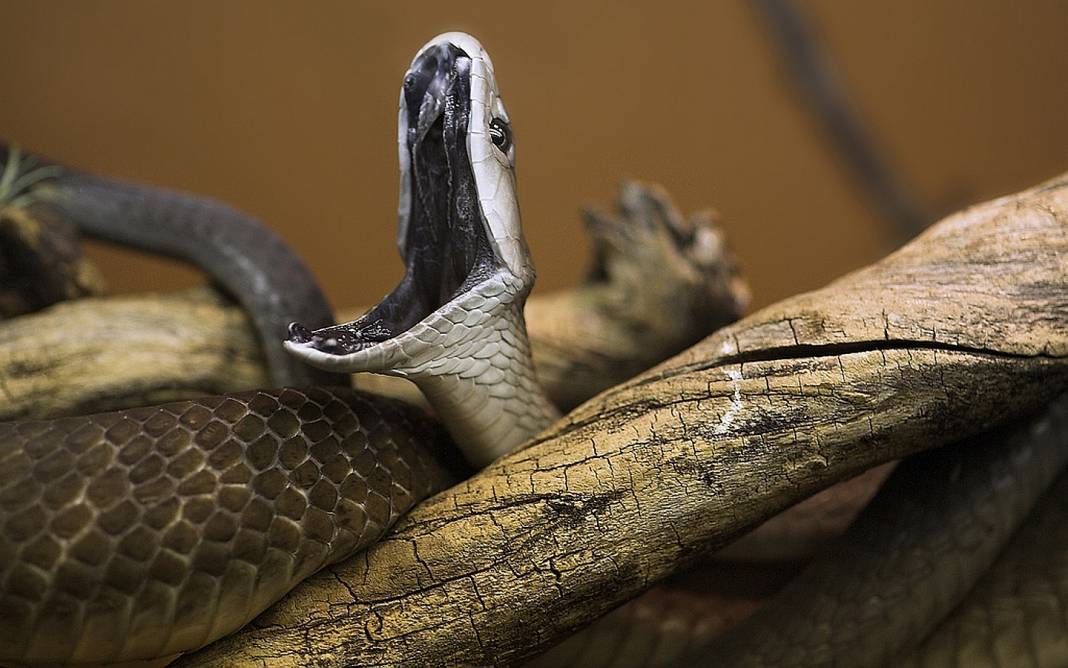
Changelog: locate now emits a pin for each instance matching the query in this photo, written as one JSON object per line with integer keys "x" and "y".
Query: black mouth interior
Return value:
{"x": 446, "y": 247}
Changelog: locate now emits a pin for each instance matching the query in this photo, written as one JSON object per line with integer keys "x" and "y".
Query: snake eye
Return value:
{"x": 500, "y": 134}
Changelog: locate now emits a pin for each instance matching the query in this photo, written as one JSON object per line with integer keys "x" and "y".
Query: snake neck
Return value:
{"x": 478, "y": 373}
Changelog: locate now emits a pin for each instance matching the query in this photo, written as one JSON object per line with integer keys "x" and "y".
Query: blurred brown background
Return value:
{"x": 288, "y": 110}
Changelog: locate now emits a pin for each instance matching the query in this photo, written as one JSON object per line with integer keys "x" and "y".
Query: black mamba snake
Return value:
{"x": 149, "y": 532}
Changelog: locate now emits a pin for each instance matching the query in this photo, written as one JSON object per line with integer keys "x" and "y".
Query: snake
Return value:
{"x": 149, "y": 532}
{"x": 142, "y": 534}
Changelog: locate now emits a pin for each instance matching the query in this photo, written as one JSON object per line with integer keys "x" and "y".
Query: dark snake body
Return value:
{"x": 936, "y": 525}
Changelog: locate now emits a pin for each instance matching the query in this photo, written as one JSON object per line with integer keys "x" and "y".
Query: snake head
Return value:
{"x": 459, "y": 233}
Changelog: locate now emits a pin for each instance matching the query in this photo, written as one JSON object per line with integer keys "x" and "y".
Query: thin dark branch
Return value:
{"x": 816, "y": 78}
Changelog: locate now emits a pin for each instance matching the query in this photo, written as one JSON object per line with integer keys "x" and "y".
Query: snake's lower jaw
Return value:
{"x": 435, "y": 345}
{"x": 471, "y": 358}
{"x": 372, "y": 358}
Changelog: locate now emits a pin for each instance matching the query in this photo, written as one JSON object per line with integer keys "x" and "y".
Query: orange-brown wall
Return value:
{"x": 288, "y": 110}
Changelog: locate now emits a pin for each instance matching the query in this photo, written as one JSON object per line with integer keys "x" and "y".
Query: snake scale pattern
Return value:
{"x": 145, "y": 532}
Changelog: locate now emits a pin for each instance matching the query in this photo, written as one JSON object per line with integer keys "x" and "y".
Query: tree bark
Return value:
{"x": 41, "y": 261}
{"x": 107, "y": 353}
{"x": 961, "y": 330}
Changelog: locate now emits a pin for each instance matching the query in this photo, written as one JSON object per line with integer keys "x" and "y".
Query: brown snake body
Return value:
{"x": 146, "y": 532}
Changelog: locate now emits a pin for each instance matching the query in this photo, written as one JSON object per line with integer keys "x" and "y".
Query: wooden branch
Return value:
{"x": 660, "y": 283}
{"x": 963, "y": 329}
{"x": 105, "y": 353}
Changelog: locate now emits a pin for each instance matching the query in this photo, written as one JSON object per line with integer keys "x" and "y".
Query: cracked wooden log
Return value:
{"x": 961, "y": 330}
{"x": 689, "y": 609}
{"x": 106, "y": 353}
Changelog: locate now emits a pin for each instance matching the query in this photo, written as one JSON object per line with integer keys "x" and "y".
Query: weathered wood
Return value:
{"x": 683, "y": 612}
{"x": 104, "y": 353}
{"x": 692, "y": 607}
{"x": 41, "y": 261}
{"x": 660, "y": 283}
{"x": 961, "y": 330}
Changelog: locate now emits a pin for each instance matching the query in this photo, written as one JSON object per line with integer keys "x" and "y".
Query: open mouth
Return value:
{"x": 445, "y": 245}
